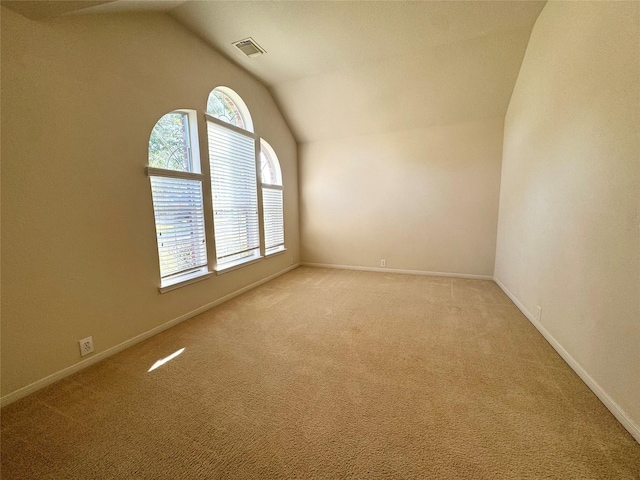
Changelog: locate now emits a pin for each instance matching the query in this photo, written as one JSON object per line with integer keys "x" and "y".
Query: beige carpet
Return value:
{"x": 328, "y": 374}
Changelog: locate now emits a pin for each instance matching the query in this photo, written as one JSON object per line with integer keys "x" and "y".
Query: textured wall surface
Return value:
{"x": 423, "y": 199}
{"x": 568, "y": 237}
{"x": 80, "y": 97}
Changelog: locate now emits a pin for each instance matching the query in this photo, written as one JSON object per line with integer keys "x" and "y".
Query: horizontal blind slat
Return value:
{"x": 273, "y": 217}
{"x": 234, "y": 192}
{"x": 179, "y": 216}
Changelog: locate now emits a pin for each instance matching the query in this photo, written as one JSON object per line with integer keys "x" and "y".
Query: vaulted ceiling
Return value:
{"x": 353, "y": 68}
{"x": 341, "y": 69}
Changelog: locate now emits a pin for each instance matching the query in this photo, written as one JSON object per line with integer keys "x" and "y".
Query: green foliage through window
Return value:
{"x": 169, "y": 143}
{"x": 222, "y": 107}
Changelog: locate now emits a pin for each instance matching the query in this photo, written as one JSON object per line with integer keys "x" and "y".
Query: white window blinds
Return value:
{"x": 232, "y": 155}
{"x": 273, "y": 219}
{"x": 179, "y": 215}
{"x": 272, "y": 213}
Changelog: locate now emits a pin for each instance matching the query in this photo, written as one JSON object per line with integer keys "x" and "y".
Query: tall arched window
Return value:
{"x": 272, "y": 211}
{"x": 232, "y": 156}
{"x": 176, "y": 187}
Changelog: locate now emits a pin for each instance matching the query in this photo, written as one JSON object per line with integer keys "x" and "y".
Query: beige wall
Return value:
{"x": 79, "y": 257}
{"x": 568, "y": 237}
{"x": 424, "y": 199}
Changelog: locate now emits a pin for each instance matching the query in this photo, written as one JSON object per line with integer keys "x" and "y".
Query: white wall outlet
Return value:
{"x": 539, "y": 313}
{"x": 383, "y": 263}
{"x": 291, "y": 260}
{"x": 86, "y": 346}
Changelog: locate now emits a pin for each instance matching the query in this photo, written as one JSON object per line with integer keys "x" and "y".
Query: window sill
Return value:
{"x": 237, "y": 264}
{"x": 276, "y": 252}
{"x": 184, "y": 281}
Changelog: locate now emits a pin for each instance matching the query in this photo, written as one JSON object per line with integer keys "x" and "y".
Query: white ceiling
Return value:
{"x": 310, "y": 38}
{"x": 340, "y": 69}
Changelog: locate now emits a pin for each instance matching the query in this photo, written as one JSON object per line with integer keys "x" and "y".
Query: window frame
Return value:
{"x": 259, "y": 250}
{"x": 203, "y": 174}
{"x": 271, "y": 155}
{"x": 179, "y": 279}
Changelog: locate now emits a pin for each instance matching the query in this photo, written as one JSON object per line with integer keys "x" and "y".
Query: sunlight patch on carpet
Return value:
{"x": 164, "y": 360}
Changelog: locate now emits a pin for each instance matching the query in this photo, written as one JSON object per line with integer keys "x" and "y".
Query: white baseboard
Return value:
{"x": 397, "y": 270}
{"x": 28, "y": 389}
{"x": 608, "y": 402}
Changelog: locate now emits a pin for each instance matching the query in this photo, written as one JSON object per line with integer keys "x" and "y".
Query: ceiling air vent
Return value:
{"x": 249, "y": 47}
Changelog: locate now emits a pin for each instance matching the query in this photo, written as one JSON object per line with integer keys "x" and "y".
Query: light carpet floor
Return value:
{"x": 328, "y": 374}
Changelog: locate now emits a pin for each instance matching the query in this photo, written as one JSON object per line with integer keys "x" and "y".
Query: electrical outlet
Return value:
{"x": 291, "y": 260}
{"x": 539, "y": 313}
{"x": 383, "y": 263}
{"x": 86, "y": 346}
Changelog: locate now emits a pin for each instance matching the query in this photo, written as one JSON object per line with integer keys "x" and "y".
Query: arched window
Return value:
{"x": 227, "y": 106}
{"x": 232, "y": 156}
{"x": 272, "y": 211}
{"x": 176, "y": 188}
